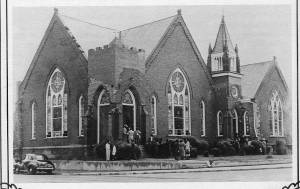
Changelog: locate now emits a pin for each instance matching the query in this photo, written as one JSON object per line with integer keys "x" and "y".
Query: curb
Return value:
{"x": 214, "y": 169}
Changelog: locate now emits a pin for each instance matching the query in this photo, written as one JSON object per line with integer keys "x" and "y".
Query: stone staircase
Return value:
{"x": 143, "y": 152}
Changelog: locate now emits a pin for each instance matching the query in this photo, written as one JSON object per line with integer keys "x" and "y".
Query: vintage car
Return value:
{"x": 34, "y": 163}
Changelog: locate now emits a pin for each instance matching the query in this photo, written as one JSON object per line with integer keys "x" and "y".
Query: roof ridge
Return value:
{"x": 89, "y": 23}
{"x": 264, "y": 62}
{"x": 148, "y": 23}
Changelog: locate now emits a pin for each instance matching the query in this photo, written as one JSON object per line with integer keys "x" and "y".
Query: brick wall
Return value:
{"x": 178, "y": 52}
{"x": 58, "y": 51}
{"x": 273, "y": 82}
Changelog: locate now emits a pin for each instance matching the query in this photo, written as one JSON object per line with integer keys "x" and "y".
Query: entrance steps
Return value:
{"x": 143, "y": 152}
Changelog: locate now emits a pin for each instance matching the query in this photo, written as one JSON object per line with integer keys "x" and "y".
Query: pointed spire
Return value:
{"x": 55, "y": 11}
{"x": 223, "y": 39}
{"x": 179, "y": 12}
{"x": 236, "y": 49}
{"x": 209, "y": 49}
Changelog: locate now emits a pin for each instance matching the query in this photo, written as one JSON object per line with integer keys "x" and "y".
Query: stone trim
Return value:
{"x": 53, "y": 147}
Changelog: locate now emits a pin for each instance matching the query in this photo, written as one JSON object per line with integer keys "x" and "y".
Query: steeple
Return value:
{"x": 223, "y": 39}
{"x": 224, "y": 56}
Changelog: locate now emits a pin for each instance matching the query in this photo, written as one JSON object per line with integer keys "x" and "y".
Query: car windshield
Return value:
{"x": 40, "y": 157}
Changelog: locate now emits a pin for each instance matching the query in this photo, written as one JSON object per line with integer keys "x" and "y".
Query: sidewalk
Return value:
{"x": 230, "y": 163}
{"x": 213, "y": 169}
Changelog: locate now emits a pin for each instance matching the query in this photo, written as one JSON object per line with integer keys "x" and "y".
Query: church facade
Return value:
{"x": 157, "y": 83}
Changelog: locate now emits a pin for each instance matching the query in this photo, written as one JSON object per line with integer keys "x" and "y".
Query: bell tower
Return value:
{"x": 223, "y": 62}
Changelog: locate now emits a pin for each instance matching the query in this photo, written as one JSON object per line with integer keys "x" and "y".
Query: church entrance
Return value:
{"x": 128, "y": 116}
{"x": 133, "y": 115}
{"x": 103, "y": 107}
{"x": 129, "y": 110}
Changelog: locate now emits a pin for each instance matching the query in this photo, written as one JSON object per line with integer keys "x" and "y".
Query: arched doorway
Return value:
{"x": 103, "y": 106}
{"x": 129, "y": 109}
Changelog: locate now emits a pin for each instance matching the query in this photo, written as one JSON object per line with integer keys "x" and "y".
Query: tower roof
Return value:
{"x": 223, "y": 39}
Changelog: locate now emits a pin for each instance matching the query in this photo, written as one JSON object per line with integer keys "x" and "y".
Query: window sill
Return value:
{"x": 81, "y": 136}
{"x": 56, "y": 137}
{"x": 179, "y": 135}
{"x": 33, "y": 139}
{"x": 274, "y": 136}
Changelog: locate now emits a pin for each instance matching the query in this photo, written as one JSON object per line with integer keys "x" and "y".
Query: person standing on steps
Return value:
{"x": 107, "y": 150}
{"x": 187, "y": 149}
{"x": 130, "y": 135}
{"x": 113, "y": 153}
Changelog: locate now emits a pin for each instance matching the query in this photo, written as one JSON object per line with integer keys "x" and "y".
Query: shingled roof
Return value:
{"x": 222, "y": 39}
{"x": 87, "y": 35}
{"x": 146, "y": 36}
{"x": 253, "y": 74}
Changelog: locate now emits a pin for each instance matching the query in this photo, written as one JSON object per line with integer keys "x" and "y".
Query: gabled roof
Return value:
{"x": 87, "y": 35}
{"x": 253, "y": 75}
{"x": 55, "y": 19}
{"x": 146, "y": 36}
{"x": 223, "y": 39}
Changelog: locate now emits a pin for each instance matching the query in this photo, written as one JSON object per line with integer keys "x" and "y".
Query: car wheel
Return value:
{"x": 31, "y": 170}
{"x": 49, "y": 172}
{"x": 17, "y": 169}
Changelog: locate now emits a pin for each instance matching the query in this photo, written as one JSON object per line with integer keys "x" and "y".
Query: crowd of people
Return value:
{"x": 110, "y": 151}
{"x": 179, "y": 148}
{"x": 131, "y": 136}
{"x": 240, "y": 141}
{"x": 183, "y": 149}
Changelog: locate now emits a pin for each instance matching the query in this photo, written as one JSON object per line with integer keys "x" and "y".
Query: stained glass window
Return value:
{"x": 33, "y": 129}
{"x": 153, "y": 116}
{"x": 220, "y": 123}
{"x": 246, "y": 124}
{"x": 127, "y": 99}
{"x": 202, "y": 118}
{"x": 178, "y": 104}
{"x": 275, "y": 115}
{"x": 56, "y": 106}
{"x": 81, "y": 114}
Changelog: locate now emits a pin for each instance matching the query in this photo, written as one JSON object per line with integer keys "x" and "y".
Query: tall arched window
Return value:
{"x": 246, "y": 124}
{"x": 202, "y": 118}
{"x": 220, "y": 123}
{"x": 102, "y": 114}
{"x": 33, "y": 129}
{"x": 56, "y": 106}
{"x": 235, "y": 124}
{"x": 153, "y": 114}
{"x": 80, "y": 116}
{"x": 275, "y": 115}
{"x": 179, "y": 104}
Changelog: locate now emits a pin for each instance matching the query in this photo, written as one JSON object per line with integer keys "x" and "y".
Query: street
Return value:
{"x": 277, "y": 174}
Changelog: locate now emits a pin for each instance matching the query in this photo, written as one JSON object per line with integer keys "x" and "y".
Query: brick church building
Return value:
{"x": 152, "y": 78}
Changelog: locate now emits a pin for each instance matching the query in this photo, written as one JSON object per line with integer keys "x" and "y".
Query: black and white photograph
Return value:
{"x": 184, "y": 93}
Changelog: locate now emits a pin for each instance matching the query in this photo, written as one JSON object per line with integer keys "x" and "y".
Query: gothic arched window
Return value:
{"x": 220, "y": 123}
{"x": 246, "y": 124}
{"x": 275, "y": 115}
{"x": 102, "y": 114}
{"x": 235, "y": 123}
{"x": 80, "y": 116}
{"x": 179, "y": 118}
{"x": 153, "y": 114}
{"x": 56, "y": 106}
{"x": 33, "y": 129}
{"x": 202, "y": 118}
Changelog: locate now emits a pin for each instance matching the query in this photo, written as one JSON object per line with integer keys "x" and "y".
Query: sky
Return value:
{"x": 260, "y": 31}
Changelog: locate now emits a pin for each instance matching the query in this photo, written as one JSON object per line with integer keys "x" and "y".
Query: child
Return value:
{"x": 113, "y": 153}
